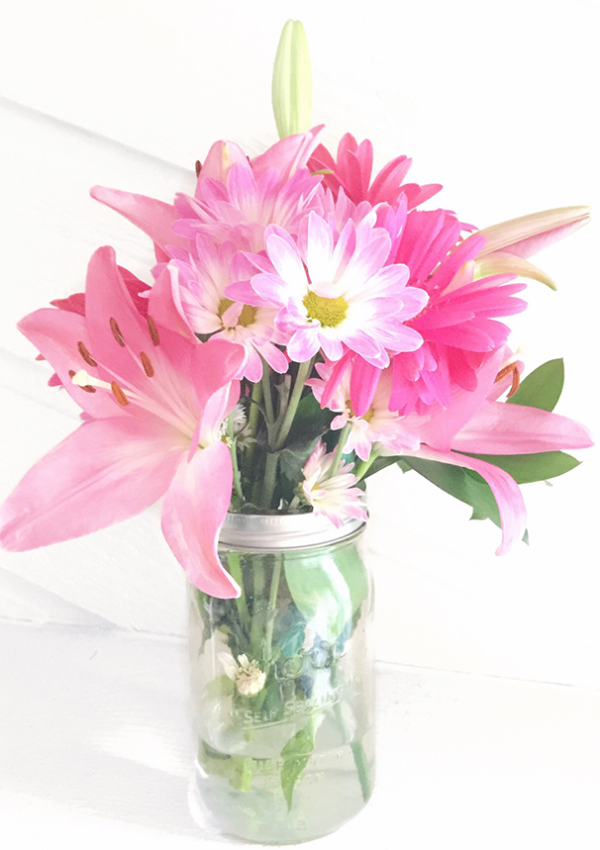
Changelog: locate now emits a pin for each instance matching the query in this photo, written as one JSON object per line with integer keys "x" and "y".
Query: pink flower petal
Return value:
{"x": 506, "y": 492}
{"x": 108, "y": 302}
{"x": 106, "y": 471}
{"x": 213, "y": 365}
{"x": 153, "y": 217}
{"x": 528, "y": 234}
{"x": 165, "y": 303}
{"x": 500, "y": 428}
{"x": 194, "y": 510}
{"x": 444, "y": 424}
{"x": 57, "y": 334}
{"x": 220, "y": 158}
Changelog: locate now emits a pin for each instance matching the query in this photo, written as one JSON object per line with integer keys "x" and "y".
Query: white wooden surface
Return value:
{"x": 497, "y": 103}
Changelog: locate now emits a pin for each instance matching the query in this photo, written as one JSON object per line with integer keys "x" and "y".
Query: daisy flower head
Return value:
{"x": 247, "y": 676}
{"x": 378, "y": 425}
{"x": 333, "y": 496}
{"x": 201, "y": 282}
{"x": 241, "y": 207}
{"x": 335, "y": 292}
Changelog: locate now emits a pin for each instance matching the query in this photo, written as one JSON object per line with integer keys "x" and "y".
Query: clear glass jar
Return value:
{"x": 283, "y": 680}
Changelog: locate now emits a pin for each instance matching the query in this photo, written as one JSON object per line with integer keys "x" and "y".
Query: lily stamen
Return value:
{"x": 516, "y": 377}
{"x": 116, "y": 332}
{"x": 119, "y": 394}
{"x": 153, "y": 330}
{"x": 147, "y": 364}
{"x": 86, "y": 354}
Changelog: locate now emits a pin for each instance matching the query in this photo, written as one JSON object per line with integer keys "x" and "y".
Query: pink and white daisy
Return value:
{"x": 200, "y": 284}
{"x": 241, "y": 208}
{"x": 379, "y": 427}
{"x": 335, "y": 496}
{"x": 335, "y": 292}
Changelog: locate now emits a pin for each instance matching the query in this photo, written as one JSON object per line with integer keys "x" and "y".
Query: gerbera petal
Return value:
{"x": 106, "y": 471}
{"x": 363, "y": 383}
{"x": 194, "y": 510}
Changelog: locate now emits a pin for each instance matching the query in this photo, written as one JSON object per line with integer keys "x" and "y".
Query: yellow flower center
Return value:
{"x": 330, "y": 312}
{"x": 247, "y": 316}
{"x": 369, "y": 414}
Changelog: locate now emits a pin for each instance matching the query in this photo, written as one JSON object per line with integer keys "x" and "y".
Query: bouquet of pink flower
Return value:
{"x": 308, "y": 325}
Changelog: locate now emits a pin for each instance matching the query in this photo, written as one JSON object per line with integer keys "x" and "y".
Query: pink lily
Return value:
{"x": 477, "y": 423}
{"x": 507, "y": 245}
{"x": 154, "y": 403}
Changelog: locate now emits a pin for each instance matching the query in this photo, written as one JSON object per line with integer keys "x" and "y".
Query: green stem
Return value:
{"x": 235, "y": 568}
{"x": 237, "y": 484}
{"x": 255, "y": 402}
{"x": 358, "y": 752}
{"x": 268, "y": 398}
{"x": 270, "y": 479}
{"x": 271, "y": 609}
{"x": 258, "y": 608}
{"x": 339, "y": 450}
{"x": 360, "y": 761}
{"x": 304, "y": 370}
{"x": 365, "y": 465}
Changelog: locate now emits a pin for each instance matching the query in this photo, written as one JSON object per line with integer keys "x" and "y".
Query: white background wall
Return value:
{"x": 497, "y": 102}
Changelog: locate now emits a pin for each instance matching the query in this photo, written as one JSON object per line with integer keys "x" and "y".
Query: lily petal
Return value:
{"x": 194, "y": 510}
{"x": 528, "y": 234}
{"x": 444, "y": 424}
{"x": 106, "y": 471}
{"x": 154, "y": 217}
{"x": 501, "y": 429}
{"x": 503, "y": 262}
{"x": 57, "y": 334}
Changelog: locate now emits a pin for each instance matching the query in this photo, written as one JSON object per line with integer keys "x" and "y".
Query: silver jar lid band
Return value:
{"x": 283, "y": 531}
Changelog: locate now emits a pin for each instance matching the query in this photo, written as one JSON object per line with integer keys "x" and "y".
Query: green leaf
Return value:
{"x": 222, "y": 686}
{"x": 292, "y": 640}
{"x": 293, "y": 458}
{"x": 320, "y": 593}
{"x": 527, "y": 468}
{"x": 292, "y": 82}
{"x": 310, "y": 420}
{"x": 542, "y": 388}
{"x": 352, "y": 568}
{"x": 296, "y": 755}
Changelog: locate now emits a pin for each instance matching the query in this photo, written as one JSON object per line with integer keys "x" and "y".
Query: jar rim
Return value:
{"x": 268, "y": 532}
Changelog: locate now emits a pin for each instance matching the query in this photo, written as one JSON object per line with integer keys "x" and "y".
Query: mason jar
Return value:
{"x": 283, "y": 680}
